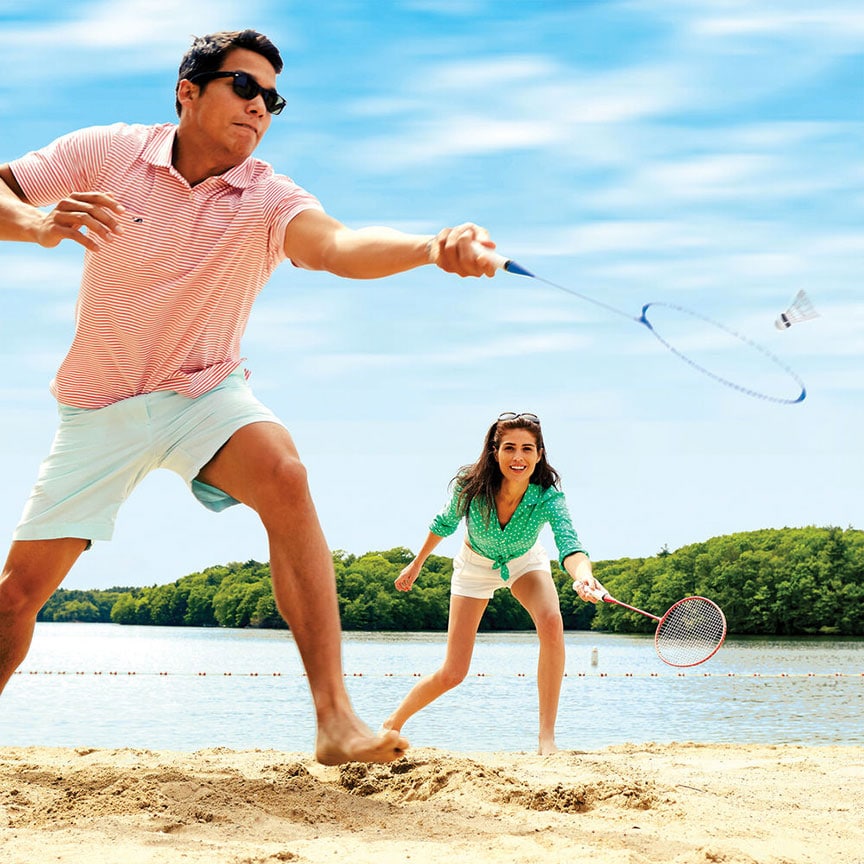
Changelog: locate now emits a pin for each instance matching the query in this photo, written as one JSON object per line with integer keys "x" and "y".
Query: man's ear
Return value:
{"x": 186, "y": 91}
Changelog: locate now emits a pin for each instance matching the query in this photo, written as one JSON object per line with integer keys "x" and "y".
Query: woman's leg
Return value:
{"x": 465, "y": 615}
{"x": 537, "y": 593}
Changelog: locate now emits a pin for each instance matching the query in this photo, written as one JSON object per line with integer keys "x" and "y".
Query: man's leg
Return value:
{"x": 260, "y": 467}
{"x": 32, "y": 572}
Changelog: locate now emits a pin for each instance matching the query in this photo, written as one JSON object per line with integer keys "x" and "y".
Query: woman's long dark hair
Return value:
{"x": 483, "y": 479}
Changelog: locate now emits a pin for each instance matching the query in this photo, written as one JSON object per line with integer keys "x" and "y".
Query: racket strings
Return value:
{"x": 783, "y": 400}
{"x": 690, "y": 632}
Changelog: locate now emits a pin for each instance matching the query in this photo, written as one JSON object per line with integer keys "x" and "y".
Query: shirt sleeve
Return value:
{"x": 284, "y": 200}
{"x": 447, "y": 521}
{"x": 566, "y": 539}
{"x": 68, "y": 164}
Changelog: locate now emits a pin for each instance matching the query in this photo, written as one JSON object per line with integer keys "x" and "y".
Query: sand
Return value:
{"x": 674, "y": 803}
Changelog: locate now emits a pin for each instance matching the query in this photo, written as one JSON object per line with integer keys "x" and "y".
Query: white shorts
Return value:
{"x": 100, "y": 455}
{"x": 475, "y": 576}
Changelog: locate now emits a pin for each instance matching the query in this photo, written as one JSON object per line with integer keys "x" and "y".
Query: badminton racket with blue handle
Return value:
{"x": 800, "y": 392}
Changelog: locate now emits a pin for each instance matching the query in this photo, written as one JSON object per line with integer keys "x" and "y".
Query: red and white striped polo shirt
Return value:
{"x": 163, "y": 306}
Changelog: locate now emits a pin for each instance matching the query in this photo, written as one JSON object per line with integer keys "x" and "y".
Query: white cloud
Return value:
{"x": 631, "y": 235}
{"x": 338, "y": 365}
{"x": 835, "y": 23}
{"x": 839, "y": 25}
{"x": 454, "y": 135}
{"x": 588, "y": 117}
{"x": 105, "y": 36}
{"x": 485, "y": 74}
{"x": 837, "y": 332}
{"x": 517, "y": 105}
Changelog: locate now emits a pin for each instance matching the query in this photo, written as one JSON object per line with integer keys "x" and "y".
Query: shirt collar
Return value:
{"x": 532, "y": 494}
{"x": 161, "y": 146}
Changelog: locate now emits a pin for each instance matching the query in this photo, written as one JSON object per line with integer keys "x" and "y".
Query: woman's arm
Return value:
{"x": 578, "y": 566}
{"x": 406, "y": 579}
{"x": 574, "y": 558}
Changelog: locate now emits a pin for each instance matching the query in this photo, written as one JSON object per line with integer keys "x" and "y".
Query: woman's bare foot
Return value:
{"x": 547, "y": 746}
{"x": 352, "y": 741}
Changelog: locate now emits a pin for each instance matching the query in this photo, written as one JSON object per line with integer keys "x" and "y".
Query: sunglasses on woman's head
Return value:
{"x": 512, "y": 415}
{"x": 246, "y": 87}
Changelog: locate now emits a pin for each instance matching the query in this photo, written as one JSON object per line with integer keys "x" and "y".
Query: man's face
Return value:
{"x": 221, "y": 120}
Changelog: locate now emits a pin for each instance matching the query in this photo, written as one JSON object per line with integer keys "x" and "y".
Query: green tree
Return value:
{"x": 199, "y": 605}
{"x": 123, "y": 610}
{"x": 790, "y": 581}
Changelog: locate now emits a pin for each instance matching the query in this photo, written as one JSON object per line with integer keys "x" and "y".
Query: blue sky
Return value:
{"x": 696, "y": 153}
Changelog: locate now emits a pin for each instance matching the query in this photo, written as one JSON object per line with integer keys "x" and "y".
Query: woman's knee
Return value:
{"x": 451, "y": 676}
{"x": 549, "y": 623}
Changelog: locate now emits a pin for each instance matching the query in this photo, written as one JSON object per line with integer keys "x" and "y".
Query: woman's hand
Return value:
{"x": 406, "y": 579}
{"x": 584, "y": 583}
{"x": 591, "y": 591}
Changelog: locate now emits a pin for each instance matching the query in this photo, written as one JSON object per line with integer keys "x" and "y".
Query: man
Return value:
{"x": 182, "y": 228}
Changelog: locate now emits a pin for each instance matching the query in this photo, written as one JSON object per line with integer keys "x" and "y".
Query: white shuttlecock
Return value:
{"x": 801, "y": 309}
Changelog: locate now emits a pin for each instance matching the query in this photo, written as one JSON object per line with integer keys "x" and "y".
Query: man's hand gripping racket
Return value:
{"x": 689, "y": 633}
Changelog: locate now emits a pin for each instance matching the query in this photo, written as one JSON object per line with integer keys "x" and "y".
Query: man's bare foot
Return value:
{"x": 355, "y": 742}
{"x": 547, "y": 746}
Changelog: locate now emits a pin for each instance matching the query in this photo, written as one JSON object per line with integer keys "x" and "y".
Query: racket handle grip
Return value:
{"x": 496, "y": 258}
{"x": 500, "y": 262}
{"x": 600, "y": 595}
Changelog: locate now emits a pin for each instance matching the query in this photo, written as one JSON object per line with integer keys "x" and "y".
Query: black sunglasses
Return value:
{"x": 246, "y": 87}
{"x": 512, "y": 415}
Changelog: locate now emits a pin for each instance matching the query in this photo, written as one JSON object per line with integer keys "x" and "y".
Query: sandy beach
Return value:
{"x": 629, "y": 804}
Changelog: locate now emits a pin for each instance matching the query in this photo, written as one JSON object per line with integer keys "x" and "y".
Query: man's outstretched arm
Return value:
{"x": 317, "y": 241}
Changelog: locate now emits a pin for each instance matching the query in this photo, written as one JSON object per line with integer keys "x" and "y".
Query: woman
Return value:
{"x": 506, "y": 497}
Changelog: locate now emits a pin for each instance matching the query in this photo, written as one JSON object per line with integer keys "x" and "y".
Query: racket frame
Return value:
{"x": 606, "y": 597}
{"x": 669, "y": 611}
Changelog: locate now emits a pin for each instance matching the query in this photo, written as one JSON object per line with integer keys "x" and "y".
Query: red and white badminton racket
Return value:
{"x": 691, "y": 631}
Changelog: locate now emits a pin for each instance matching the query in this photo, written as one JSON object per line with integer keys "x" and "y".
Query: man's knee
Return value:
{"x": 283, "y": 487}
{"x": 33, "y": 571}
{"x": 17, "y": 596}
{"x": 289, "y": 475}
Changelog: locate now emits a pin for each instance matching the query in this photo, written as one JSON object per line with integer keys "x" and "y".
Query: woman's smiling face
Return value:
{"x": 518, "y": 454}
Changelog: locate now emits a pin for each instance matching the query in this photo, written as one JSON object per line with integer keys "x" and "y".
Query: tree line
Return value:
{"x": 789, "y": 581}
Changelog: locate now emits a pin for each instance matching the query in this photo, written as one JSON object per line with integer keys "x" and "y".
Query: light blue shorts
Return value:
{"x": 475, "y": 576}
{"x": 100, "y": 455}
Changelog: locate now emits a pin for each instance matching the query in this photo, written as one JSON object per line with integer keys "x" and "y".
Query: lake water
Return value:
{"x": 103, "y": 685}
